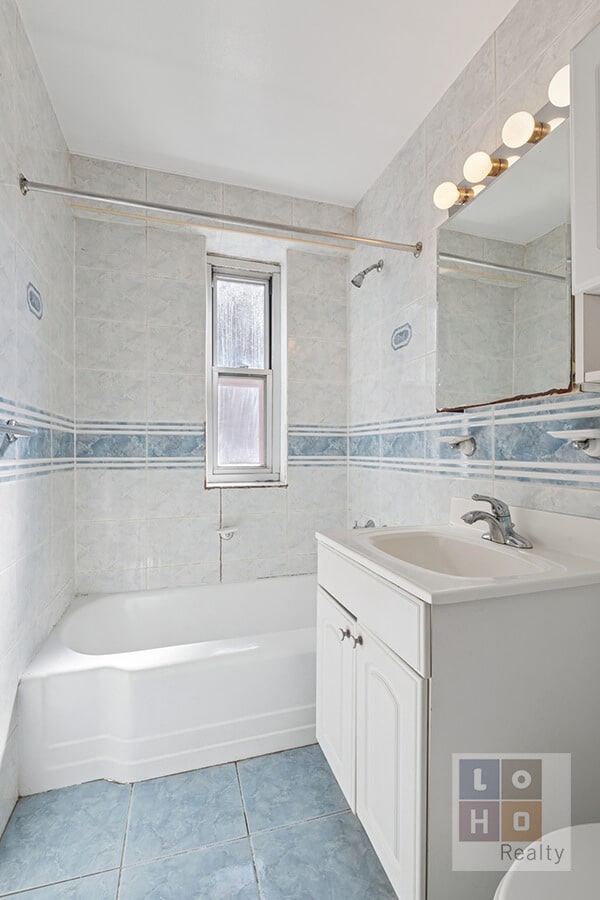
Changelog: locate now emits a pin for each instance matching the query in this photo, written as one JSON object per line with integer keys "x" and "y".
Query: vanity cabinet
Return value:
{"x": 416, "y": 667}
{"x": 335, "y": 692}
{"x": 371, "y": 724}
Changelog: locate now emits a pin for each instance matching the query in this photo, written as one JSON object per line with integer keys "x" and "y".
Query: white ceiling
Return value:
{"x": 305, "y": 97}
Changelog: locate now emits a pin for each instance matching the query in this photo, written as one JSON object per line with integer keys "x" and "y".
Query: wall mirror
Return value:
{"x": 503, "y": 285}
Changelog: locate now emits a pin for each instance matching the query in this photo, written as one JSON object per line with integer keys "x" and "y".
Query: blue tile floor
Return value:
{"x": 274, "y": 827}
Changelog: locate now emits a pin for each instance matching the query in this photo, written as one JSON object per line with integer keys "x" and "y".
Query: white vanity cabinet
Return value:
{"x": 372, "y": 720}
{"x": 335, "y": 692}
{"x": 416, "y": 665}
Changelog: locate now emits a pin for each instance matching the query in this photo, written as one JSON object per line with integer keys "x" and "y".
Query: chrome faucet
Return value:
{"x": 499, "y": 521}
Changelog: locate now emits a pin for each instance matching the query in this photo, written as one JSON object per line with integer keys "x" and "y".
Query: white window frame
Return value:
{"x": 273, "y": 470}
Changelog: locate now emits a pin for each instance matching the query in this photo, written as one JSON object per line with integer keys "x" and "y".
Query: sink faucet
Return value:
{"x": 500, "y": 523}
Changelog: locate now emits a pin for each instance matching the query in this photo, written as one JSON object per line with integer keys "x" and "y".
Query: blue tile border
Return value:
{"x": 512, "y": 442}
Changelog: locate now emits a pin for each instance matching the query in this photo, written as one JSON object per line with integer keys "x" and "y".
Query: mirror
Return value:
{"x": 503, "y": 285}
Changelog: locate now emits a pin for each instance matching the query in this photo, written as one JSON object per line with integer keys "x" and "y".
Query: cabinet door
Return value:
{"x": 585, "y": 164}
{"x": 335, "y": 691}
{"x": 391, "y": 717}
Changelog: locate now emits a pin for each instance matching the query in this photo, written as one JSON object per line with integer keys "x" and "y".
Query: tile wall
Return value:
{"x": 144, "y": 518}
{"x": 400, "y": 472}
{"x": 36, "y": 381}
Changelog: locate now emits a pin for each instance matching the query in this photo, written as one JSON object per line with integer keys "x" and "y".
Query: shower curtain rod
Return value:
{"x": 498, "y": 267}
{"x": 26, "y": 186}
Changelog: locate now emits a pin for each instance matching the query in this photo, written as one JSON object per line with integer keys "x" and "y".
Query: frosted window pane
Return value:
{"x": 241, "y": 421}
{"x": 240, "y": 324}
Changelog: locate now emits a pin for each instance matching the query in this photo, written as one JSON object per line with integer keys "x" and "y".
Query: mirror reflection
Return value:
{"x": 503, "y": 290}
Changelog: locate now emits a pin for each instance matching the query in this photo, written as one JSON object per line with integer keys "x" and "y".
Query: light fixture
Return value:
{"x": 554, "y": 123}
{"x": 448, "y": 194}
{"x": 477, "y": 189}
{"x": 479, "y": 165}
{"x": 559, "y": 91}
{"x": 521, "y": 128}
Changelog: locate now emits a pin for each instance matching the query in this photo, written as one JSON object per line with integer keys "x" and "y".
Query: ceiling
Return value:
{"x": 311, "y": 98}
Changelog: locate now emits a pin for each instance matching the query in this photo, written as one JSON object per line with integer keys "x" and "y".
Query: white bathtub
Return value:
{"x": 137, "y": 685}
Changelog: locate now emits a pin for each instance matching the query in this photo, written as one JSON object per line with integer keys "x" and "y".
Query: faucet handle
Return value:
{"x": 499, "y": 507}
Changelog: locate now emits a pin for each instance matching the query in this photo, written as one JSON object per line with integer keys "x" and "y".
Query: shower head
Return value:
{"x": 358, "y": 279}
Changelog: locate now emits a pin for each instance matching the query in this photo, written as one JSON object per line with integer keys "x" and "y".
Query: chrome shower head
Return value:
{"x": 358, "y": 279}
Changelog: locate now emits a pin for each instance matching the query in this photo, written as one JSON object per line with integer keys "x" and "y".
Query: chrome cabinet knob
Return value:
{"x": 344, "y": 633}
{"x": 357, "y": 641}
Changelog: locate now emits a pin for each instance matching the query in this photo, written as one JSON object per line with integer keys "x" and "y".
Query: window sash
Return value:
{"x": 273, "y": 470}
{"x": 243, "y": 277}
{"x": 267, "y": 424}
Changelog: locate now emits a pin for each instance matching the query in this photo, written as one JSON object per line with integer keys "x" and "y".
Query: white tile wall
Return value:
{"x": 511, "y": 72}
{"x": 140, "y": 310}
{"x": 36, "y": 369}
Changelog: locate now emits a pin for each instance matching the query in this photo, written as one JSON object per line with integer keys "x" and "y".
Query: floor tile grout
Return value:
{"x": 254, "y": 866}
{"x": 39, "y": 887}
{"x": 125, "y": 834}
{"x": 121, "y": 866}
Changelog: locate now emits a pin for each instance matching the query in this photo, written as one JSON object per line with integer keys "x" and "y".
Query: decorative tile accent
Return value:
{"x": 288, "y": 787}
{"x": 317, "y": 445}
{"x": 176, "y": 445}
{"x": 401, "y": 336}
{"x": 111, "y": 445}
{"x": 34, "y": 301}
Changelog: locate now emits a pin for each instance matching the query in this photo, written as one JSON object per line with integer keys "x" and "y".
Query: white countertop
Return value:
{"x": 554, "y": 536}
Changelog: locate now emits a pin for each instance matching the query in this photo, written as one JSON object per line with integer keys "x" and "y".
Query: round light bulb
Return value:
{"x": 518, "y": 129}
{"x": 477, "y": 166}
{"x": 446, "y": 195}
{"x": 559, "y": 91}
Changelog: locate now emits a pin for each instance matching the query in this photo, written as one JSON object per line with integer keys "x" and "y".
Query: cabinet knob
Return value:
{"x": 357, "y": 641}
{"x": 344, "y": 633}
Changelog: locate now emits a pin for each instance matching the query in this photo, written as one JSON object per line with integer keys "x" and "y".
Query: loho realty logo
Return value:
{"x": 504, "y": 804}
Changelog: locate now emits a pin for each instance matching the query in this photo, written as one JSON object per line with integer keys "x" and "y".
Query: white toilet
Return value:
{"x": 581, "y": 883}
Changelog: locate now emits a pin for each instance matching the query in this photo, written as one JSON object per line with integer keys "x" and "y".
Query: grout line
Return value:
{"x": 329, "y": 815}
{"x": 127, "y": 822}
{"x": 254, "y": 866}
{"x": 50, "y": 884}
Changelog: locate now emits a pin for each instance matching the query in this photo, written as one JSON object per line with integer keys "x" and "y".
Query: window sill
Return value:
{"x": 246, "y": 484}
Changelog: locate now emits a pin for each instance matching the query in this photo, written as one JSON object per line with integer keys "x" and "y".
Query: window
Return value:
{"x": 243, "y": 373}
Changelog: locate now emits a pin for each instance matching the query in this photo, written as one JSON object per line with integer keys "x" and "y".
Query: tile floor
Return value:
{"x": 270, "y": 828}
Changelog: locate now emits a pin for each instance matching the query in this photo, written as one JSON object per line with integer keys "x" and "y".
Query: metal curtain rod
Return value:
{"x": 498, "y": 267}
{"x": 27, "y": 186}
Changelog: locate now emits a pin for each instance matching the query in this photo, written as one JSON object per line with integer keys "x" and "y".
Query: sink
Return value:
{"x": 451, "y": 555}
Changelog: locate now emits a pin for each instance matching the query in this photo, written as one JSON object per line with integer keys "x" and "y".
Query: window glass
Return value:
{"x": 240, "y": 324}
{"x": 241, "y": 420}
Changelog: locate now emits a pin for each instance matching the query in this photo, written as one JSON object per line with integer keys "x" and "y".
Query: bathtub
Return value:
{"x": 138, "y": 685}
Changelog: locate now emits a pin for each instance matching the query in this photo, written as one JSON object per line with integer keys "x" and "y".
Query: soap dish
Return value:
{"x": 464, "y": 442}
{"x": 586, "y": 439}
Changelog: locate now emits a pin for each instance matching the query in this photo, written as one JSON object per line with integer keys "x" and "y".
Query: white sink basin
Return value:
{"x": 451, "y": 563}
{"x": 441, "y": 552}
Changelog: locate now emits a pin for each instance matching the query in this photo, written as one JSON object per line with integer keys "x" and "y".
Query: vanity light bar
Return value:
{"x": 519, "y": 129}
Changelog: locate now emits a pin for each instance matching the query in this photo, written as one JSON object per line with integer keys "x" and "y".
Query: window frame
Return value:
{"x": 272, "y": 472}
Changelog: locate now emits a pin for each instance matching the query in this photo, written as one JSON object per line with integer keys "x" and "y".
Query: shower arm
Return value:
{"x": 26, "y": 186}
